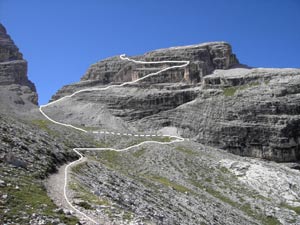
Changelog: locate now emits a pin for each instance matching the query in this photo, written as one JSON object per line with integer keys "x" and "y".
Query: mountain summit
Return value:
{"x": 214, "y": 100}
{"x": 155, "y": 149}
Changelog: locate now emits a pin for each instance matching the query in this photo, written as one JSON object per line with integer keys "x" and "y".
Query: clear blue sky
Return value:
{"x": 61, "y": 38}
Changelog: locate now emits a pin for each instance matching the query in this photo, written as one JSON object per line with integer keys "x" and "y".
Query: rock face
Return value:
{"x": 17, "y": 91}
{"x": 214, "y": 100}
{"x": 249, "y": 112}
{"x": 246, "y": 111}
{"x": 204, "y": 58}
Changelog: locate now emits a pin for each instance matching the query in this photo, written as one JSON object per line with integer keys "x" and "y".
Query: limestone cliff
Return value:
{"x": 214, "y": 100}
{"x": 17, "y": 91}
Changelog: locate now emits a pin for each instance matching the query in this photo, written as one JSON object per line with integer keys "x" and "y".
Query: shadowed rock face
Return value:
{"x": 214, "y": 100}
{"x": 16, "y": 89}
{"x": 8, "y": 50}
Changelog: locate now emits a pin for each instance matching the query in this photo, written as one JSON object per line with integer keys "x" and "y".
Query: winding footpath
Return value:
{"x": 81, "y": 159}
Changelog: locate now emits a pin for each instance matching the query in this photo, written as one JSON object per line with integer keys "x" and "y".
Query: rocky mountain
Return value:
{"x": 214, "y": 100}
{"x": 30, "y": 147}
{"x": 16, "y": 90}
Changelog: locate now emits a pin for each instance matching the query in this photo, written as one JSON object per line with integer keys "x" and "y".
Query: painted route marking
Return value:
{"x": 76, "y": 150}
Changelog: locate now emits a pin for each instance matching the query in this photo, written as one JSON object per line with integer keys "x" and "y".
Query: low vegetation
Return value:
{"x": 138, "y": 153}
{"x": 166, "y": 182}
{"x": 86, "y": 196}
{"x": 230, "y": 91}
{"x": 245, "y": 207}
{"x": 26, "y": 198}
{"x": 44, "y": 125}
{"x": 294, "y": 208}
{"x": 185, "y": 150}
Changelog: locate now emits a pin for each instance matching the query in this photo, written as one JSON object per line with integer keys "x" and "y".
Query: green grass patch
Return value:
{"x": 98, "y": 144}
{"x": 230, "y": 91}
{"x": 185, "y": 150}
{"x": 138, "y": 153}
{"x": 246, "y": 207}
{"x": 31, "y": 197}
{"x": 110, "y": 156}
{"x": 215, "y": 193}
{"x": 224, "y": 170}
{"x": 127, "y": 216}
{"x": 85, "y": 195}
{"x": 166, "y": 182}
{"x": 85, "y": 205}
{"x": 44, "y": 125}
{"x": 77, "y": 168}
{"x": 295, "y": 209}
{"x": 161, "y": 139}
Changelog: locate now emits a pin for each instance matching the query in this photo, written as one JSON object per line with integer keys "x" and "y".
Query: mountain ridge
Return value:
{"x": 214, "y": 89}
{"x": 17, "y": 91}
{"x": 250, "y": 112}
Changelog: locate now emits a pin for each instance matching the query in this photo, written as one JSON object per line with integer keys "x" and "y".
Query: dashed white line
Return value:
{"x": 76, "y": 150}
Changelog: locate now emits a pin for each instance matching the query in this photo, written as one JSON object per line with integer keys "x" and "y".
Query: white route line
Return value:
{"x": 76, "y": 150}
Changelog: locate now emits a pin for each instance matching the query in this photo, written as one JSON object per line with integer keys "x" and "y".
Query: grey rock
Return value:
{"x": 204, "y": 58}
{"x": 2, "y": 183}
{"x": 58, "y": 210}
{"x": 153, "y": 186}
{"x": 249, "y": 112}
{"x": 183, "y": 183}
{"x": 215, "y": 101}
{"x": 16, "y": 90}
{"x": 8, "y": 50}
{"x": 13, "y": 160}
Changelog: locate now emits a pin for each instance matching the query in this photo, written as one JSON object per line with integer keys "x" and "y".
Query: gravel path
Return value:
{"x": 55, "y": 187}
{"x": 55, "y": 190}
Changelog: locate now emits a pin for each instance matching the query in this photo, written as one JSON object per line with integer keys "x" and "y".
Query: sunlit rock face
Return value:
{"x": 214, "y": 100}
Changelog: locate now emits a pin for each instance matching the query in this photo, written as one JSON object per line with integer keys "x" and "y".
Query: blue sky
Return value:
{"x": 61, "y": 38}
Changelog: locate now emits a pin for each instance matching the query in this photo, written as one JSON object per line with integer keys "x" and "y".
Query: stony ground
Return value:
{"x": 184, "y": 183}
{"x": 250, "y": 112}
{"x": 31, "y": 149}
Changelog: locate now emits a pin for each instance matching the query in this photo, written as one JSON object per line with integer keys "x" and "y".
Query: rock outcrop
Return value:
{"x": 214, "y": 100}
{"x": 204, "y": 58}
{"x": 17, "y": 91}
{"x": 249, "y": 112}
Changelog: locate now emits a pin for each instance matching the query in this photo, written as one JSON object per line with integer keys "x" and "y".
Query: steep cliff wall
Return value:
{"x": 16, "y": 91}
{"x": 214, "y": 100}
{"x": 249, "y": 112}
